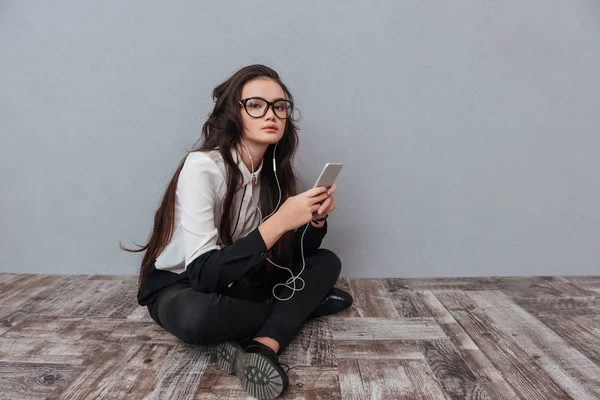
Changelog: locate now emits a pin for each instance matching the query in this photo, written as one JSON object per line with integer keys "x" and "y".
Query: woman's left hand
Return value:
{"x": 327, "y": 206}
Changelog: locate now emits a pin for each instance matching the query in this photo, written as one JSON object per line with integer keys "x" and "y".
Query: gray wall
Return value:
{"x": 468, "y": 129}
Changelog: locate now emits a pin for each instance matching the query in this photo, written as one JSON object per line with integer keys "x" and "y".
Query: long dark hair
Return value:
{"x": 223, "y": 130}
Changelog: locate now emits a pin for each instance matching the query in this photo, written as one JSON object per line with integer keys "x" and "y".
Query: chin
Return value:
{"x": 269, "y": 138}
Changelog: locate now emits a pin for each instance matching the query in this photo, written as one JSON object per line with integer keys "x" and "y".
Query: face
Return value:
{"x": 269, "y": 128}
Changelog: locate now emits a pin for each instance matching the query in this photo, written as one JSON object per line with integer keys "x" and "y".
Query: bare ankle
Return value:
{"x": 267, "y": 341}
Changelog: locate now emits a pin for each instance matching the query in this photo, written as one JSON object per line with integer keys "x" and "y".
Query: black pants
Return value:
{"x": 242, "y": 311}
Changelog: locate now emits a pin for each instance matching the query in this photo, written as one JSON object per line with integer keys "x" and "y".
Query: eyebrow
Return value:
{"x": 277, "y": 99}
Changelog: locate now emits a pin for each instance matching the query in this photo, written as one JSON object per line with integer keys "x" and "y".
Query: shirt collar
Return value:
{"x": 246, "y": 174}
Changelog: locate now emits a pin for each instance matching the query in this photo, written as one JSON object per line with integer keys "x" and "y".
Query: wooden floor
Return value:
{"x": 84, "y": 337}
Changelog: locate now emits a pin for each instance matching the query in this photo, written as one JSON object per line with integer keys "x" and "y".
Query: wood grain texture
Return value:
{"x": 64, "y": 329}
{"x": 385, "y": 329}
{"x": 85, "y": 337}
{"x": 568, "y": 367}
{"x": 522, "y": 372}
{"x": 576, "y": 334}
{"x": 312, "y": 345}
{"x": 25, "y": 381}
{"x": 127, "y": 373}
{"x": 52, "y": 350}
{"x": 378, "y": 349}
{"x": 19, "y": 288}
{"x": 372, "y": 299}
{"x": 425, "y": 384}
{"x": 585, "y": 281}
{"x": 408, "y": 302}
{"x": 141, "y": 332}
{"x": 140, "y": 314}
{"x": 181, "y": 373}
{"x": 451, "y": 370}
{"x": 374, "y": 379}
{"x": 491, "y": 378}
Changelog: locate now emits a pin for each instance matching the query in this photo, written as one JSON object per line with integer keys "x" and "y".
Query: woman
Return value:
{"x": 230, "y": 224}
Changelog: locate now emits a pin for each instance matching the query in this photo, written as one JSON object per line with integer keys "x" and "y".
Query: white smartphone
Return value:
{"x": 329, "y": 174}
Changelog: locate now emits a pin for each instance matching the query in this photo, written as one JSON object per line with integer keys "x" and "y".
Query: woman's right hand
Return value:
{"x": 298, "y": 210}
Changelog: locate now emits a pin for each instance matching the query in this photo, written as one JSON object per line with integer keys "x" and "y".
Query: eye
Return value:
{"x": 255, "y": 104}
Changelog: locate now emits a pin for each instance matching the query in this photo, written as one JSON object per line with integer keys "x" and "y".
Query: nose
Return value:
{"x": 270, "y": 112}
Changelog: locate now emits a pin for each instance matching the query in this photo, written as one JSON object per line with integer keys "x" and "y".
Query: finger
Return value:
{"x": 316, "y": 191}
{"x": 319, "y": 199}
{"x": 332, "y": 189}
{"x": 324, "y": 206}
{"x": 330, "y": 208}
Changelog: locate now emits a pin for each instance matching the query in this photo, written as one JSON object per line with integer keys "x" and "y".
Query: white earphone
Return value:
{"x": 293, "y": 279}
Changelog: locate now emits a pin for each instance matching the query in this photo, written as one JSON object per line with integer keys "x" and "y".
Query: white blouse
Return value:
{"x": 200, "y": 191}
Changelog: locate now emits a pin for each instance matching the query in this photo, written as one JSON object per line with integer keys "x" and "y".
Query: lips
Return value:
{"x": 270, "y": 128}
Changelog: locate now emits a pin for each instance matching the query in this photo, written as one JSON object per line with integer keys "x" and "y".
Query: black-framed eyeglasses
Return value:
{"x": 257, "y": 107}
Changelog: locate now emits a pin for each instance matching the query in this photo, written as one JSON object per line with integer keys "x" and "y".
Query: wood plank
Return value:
{"x": 125, "y": 374}
{"x": 371, "y": 298}
{"x": 526, "y": 377}
{"x": 565, "y": 306}
{"x": 141, "y": 332}
{"x": 576, "y": 335}
{"x": 408, "y": 302}
{"x": 11, "y": 316}
{"x": 424, "y": 383}
{"x": 312, "y": 345}
{"x": 574, "y": 372}
{"x": 25, "y": 381}
{"x": 78, "y": 296}
{"x": 313, "y": 383}
{"x": 6, "y": 277}
{"x": 494, "y": 382}
{"x": 570, "y": 288}
{"x": 52, "y": 351}
{"x": 451, "y": 370}
{"x": 137, "y": 374}
{"x": 378, "y": 349}
{"x": 556, "y": 296}
{"x": 385, "y": 329}
{"x": 374, "y": 379}
{"x": 14, "y": 282}
{"x": 101, "y": 277}
{"x": 119, "y": 302}
{"x": 585, "y": 281}
{"x": 182, "y": 372}
{"x": 64, "y": 329}
{"x": 549, "y": 285}
{"x": 140, "y": 314}
{"x": 16, "y": 291}
{"x": 591, "y": 323}
{"x": 16, "y": 311}
{"x": 449, "y": 283}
